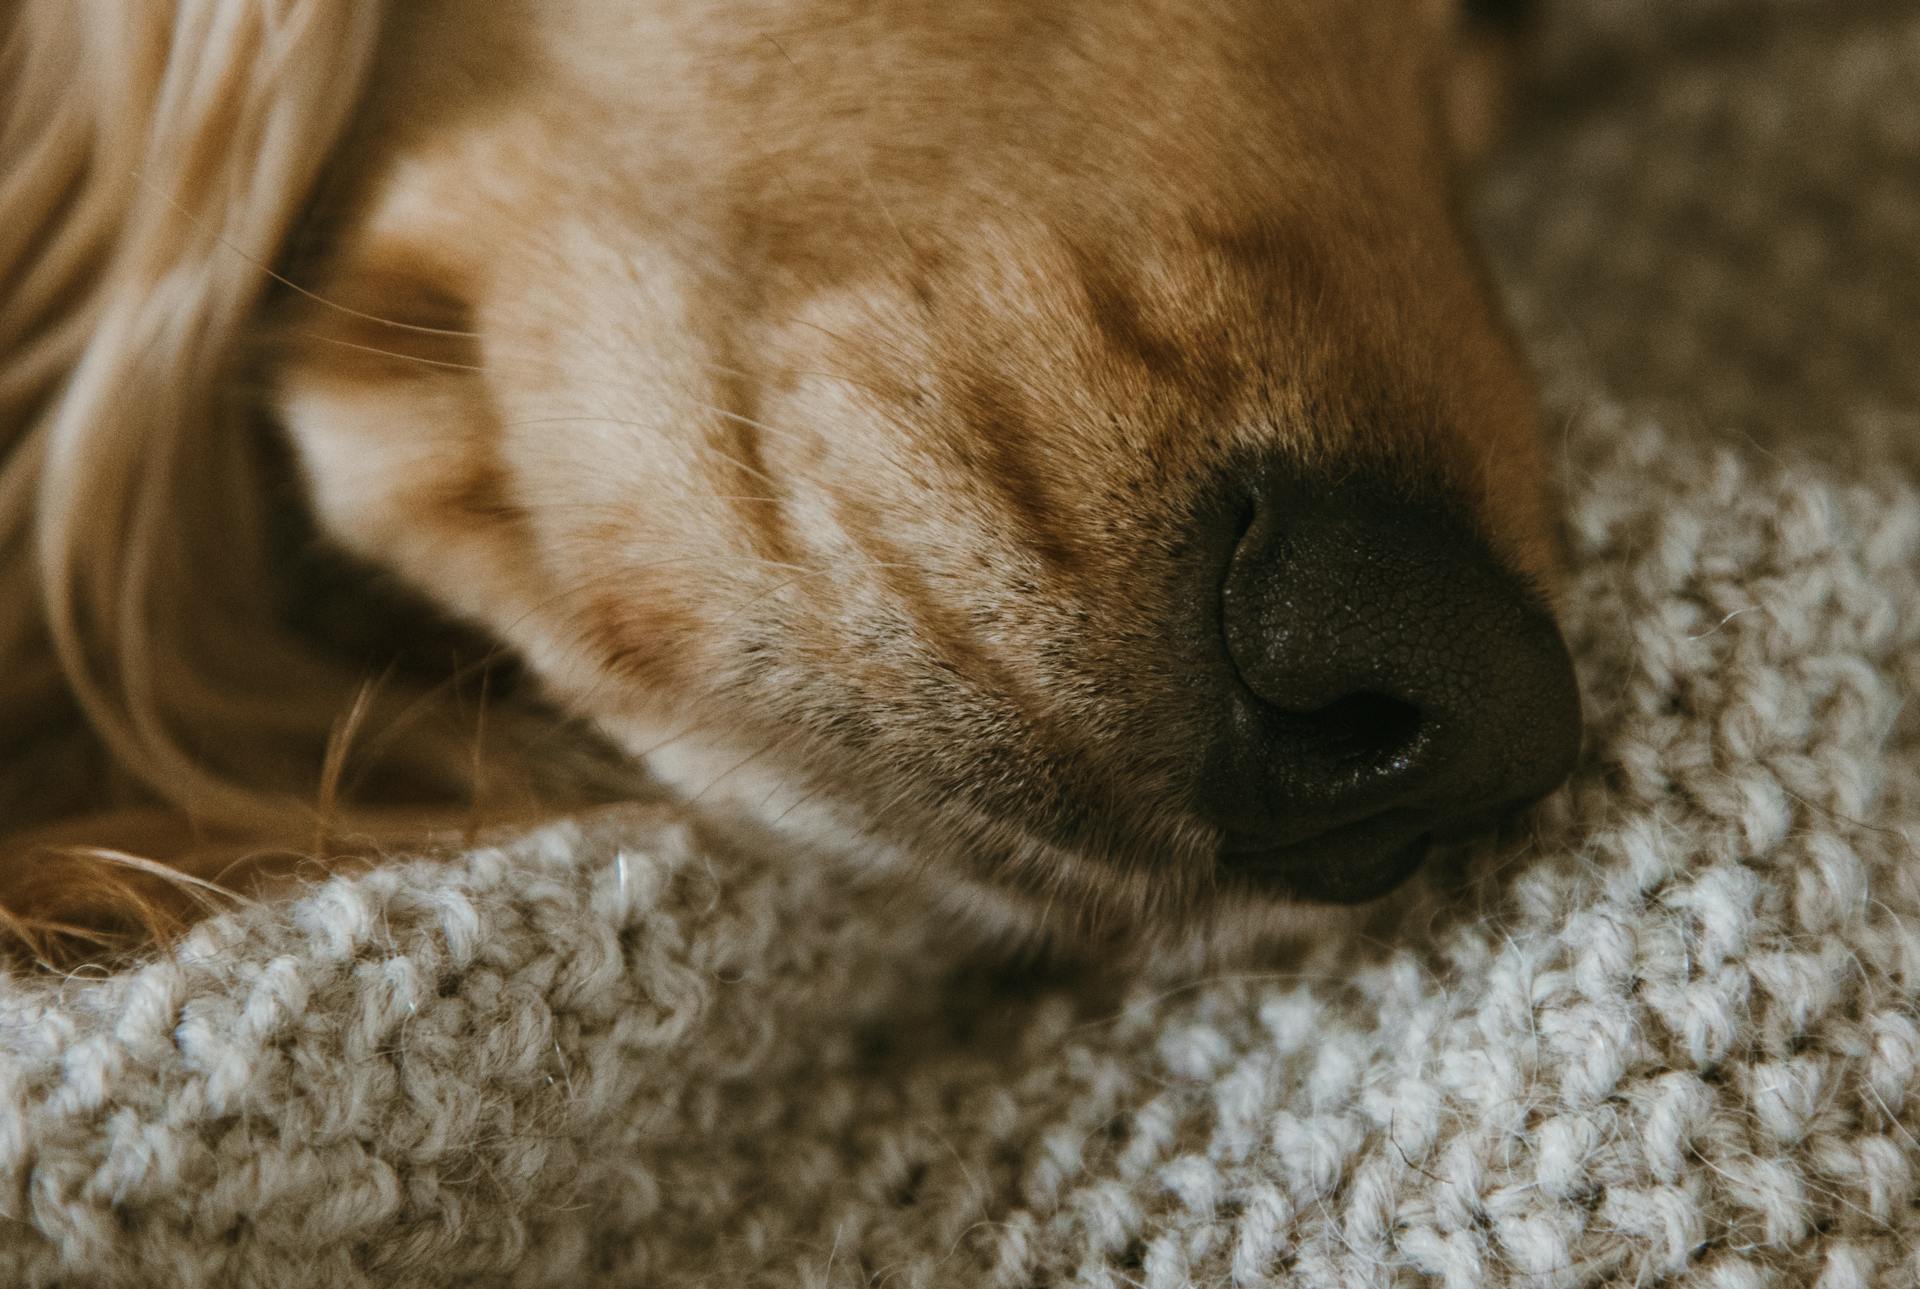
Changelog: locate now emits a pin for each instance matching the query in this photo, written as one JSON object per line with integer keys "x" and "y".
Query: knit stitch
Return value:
{"x": 1667, "y": 1031}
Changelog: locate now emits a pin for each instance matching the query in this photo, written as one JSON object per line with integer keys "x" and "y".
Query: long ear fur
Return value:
{"x": 154, "y": 156}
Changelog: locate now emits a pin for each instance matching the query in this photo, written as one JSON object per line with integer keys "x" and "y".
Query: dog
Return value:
{"x": 1071, "y": 448}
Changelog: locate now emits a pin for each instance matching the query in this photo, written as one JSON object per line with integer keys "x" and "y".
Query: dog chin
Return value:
{"x": 767, "y": 797}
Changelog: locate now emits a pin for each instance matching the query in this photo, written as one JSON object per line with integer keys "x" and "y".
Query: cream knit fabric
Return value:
{"x": 1668, "y": 1034}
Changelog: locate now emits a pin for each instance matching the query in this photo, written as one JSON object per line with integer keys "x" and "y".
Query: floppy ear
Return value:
{"x": 155, "y": 159}
{"x": 155, "y": 154}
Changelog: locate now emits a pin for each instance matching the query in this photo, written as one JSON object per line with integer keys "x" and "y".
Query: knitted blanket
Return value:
{"x": 1667, "y": 1032}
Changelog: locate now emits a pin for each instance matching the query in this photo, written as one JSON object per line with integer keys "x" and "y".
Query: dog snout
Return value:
{"x": 1387, "y": 679}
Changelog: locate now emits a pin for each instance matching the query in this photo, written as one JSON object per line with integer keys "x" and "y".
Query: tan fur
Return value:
{"x": 815, "y": 394}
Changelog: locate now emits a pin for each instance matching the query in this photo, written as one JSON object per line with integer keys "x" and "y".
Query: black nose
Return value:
{"x": 1389, "y": 679}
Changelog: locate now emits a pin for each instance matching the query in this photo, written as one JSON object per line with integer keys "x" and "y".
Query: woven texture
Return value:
{"x": 1667, "y": 1034}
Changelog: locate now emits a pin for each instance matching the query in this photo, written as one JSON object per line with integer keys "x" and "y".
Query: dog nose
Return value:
{"x": 1390, "y": 679}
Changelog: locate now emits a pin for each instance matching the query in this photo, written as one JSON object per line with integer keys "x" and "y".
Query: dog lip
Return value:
{"x": 1278, "y": 843}
{"x": 1351, "y": 864}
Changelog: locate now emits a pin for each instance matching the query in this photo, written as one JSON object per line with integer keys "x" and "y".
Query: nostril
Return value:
{"x": 1365, "y": 729}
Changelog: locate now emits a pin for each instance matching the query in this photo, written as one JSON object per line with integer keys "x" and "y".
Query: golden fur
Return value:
{"x": 812, "y": 393}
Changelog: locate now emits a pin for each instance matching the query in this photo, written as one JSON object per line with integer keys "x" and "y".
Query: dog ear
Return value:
{"x": 153, "y": 156}
{"x": 155, "y": 160}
